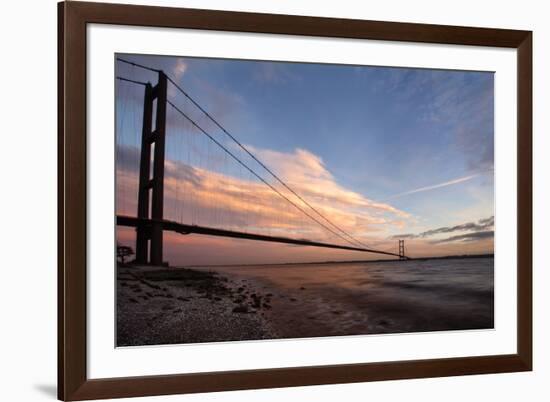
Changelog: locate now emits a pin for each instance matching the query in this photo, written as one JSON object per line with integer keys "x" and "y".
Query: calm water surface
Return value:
{"x": 376, "y": 297}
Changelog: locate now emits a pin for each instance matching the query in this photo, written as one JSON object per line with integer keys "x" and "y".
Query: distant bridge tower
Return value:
{"x": 151, "y": 181}
{"x": 402, "y": 250}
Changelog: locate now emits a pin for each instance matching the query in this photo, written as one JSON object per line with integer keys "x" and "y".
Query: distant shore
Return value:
{"x": 445, "y": 257}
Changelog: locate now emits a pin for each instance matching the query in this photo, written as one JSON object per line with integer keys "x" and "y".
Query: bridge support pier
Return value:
{"x": 402, "y": 250}
{"x": 149, "y": 238}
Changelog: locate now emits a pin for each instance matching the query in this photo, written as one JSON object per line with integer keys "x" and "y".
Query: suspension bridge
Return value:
{"x": 211, "y": 184}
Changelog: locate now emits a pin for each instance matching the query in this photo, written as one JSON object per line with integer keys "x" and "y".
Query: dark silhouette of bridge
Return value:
{"x": 150, "y": 222}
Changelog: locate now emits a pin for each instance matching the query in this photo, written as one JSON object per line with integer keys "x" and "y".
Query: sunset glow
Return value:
{"x": 382, "y": 153}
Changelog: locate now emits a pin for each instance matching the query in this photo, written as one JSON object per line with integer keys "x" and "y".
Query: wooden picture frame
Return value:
{"x": 73, "y": 382}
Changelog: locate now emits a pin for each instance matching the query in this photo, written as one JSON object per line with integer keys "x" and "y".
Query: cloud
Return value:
{"x": 436, "y": 186}
{"x": 470, "y": 226}
{"x": 480, "y": 226}
{"x": 127, "y": 158}
{"x": 460, "y": 102}
{"x": 218, "y": 101}
{"x": 221, "y": 102}
{"x": 468, "y": 237}
{"x": 465, "y": 103}
{"x": 490, "y": 221}
{"x": 205, "y": 195}
{"x": 216, "y": 197}
{"x": 179, "y": 69}
{"x": 306, "y": 171}
{"x": 273, "y": 73}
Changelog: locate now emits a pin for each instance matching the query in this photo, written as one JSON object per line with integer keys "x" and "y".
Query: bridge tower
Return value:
{"x": 402, "y": 250}
{"x": 151, "y": 174}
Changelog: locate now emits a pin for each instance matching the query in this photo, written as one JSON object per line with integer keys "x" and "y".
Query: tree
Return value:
{"x": 122, "y": 252}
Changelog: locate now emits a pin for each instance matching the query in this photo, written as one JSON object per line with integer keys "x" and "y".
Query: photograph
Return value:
{"x": 261, "y": 200}
{"x": 266, "y": 201}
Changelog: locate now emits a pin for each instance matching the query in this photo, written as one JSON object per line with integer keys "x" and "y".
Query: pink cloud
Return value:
{"x": 206, "y": 197}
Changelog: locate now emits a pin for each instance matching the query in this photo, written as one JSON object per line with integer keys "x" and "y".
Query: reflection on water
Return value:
{"x": 376, "y": 297}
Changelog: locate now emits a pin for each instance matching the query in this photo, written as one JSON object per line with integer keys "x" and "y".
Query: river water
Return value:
{"x": 329, "y": 299}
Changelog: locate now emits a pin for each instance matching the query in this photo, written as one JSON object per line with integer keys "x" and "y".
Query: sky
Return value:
{"x": 383, "y": 153}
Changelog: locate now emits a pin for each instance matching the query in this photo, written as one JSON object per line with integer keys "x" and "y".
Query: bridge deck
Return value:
{"x": 188, "y": 229}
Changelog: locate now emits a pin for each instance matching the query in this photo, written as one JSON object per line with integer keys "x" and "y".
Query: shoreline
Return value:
{"x": 387, "y": 260}
{"x": 158, "y": 306}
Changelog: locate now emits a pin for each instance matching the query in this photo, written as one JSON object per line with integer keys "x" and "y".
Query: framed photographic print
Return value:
{"x": 252, "y": 200}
